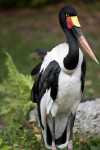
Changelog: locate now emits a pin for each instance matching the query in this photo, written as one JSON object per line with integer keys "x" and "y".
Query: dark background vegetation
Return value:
{"x": 24, "y": 26}
{"x": 34, "y": 3}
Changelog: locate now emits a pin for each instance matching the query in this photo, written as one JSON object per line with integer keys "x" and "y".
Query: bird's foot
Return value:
{"x": 53, "y": 146}
{"x": 70, "y": 145}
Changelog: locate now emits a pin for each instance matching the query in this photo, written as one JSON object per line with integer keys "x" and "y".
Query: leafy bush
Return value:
{"x": 4, "y": 147}
{"x": 14, "y": 110}
{"x": 16, "y": 90}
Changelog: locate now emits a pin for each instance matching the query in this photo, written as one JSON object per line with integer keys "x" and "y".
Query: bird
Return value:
{"x": 59, "y": 82}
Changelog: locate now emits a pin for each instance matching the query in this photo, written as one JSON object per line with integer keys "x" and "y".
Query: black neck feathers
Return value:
{"x": 71, "y": 60}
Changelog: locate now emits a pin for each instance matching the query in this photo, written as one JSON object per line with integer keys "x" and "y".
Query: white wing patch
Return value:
{"x": 49, "y": 102}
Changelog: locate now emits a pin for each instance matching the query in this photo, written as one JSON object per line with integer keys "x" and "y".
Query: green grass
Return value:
{"x": 19, "y": 138}
{"x": 26, "y": 139}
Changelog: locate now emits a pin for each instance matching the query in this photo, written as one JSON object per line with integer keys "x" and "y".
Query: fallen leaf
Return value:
{"x": 37, "y": 130}
{"x": 29, "y": 124}
{"x": 15, "y": 145}
{"x": 38, "y": 137}
{"x": 82, "y": 140}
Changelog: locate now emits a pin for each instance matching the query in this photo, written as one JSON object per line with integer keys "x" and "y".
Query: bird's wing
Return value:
{"x": 83, "y": 69}
{"x": 36, "y": 69}
{"x": 42, "y": 53}
{"x": 46, "y": 80}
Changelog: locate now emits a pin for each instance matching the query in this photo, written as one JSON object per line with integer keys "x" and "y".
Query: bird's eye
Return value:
{"x": 67, "y": 15}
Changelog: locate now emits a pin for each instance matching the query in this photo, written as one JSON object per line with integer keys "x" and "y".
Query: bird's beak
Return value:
{"x": 84, "y": 43}
{"x": 87, "y": 48}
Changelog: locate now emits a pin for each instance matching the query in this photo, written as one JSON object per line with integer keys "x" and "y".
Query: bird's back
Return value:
{"x": 57, "y": 53}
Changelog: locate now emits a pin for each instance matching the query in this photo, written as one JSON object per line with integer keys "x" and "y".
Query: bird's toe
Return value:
{"x": 53, "y": 146}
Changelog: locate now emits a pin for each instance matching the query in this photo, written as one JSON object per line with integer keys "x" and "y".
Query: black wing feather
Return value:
{"x": 83, "y": 72}
{"x": 36, "y": 69}
{"x": 44, "y": 81}
{"x": 42, "y": 53}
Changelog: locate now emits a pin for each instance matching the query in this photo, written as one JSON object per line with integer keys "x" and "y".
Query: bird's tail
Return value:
{"x": 62, "y": 131}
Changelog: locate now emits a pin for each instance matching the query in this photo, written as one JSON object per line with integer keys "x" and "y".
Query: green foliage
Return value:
{"x": 33, "y": 3}
{"x": 17, "y": 139}
{"x": 38, "y": 3}
{"x": 16, "y": 90}
{"x": 4, "y": 147}
{"x": 26, "y": 139}
{"x": 25, "y": 3}
{"x": 86, "y": 141}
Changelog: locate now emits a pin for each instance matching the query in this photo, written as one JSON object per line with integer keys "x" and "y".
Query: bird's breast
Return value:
{"x": 68, "y": 91}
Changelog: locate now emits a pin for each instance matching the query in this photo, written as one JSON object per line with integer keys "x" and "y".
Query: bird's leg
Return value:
{"x": 53, "y": 134}
{"x": 70, "y": 143}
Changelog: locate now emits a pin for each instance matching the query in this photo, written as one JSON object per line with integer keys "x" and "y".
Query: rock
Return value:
{"x": 33, "y": 115}
{"x": 87, "y": 116}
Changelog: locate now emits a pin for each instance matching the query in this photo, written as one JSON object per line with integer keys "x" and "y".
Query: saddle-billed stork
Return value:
{"x": 60, "y": 82}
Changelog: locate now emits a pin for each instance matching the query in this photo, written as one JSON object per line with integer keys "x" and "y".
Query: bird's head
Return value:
{"x": 69, "y": 20}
